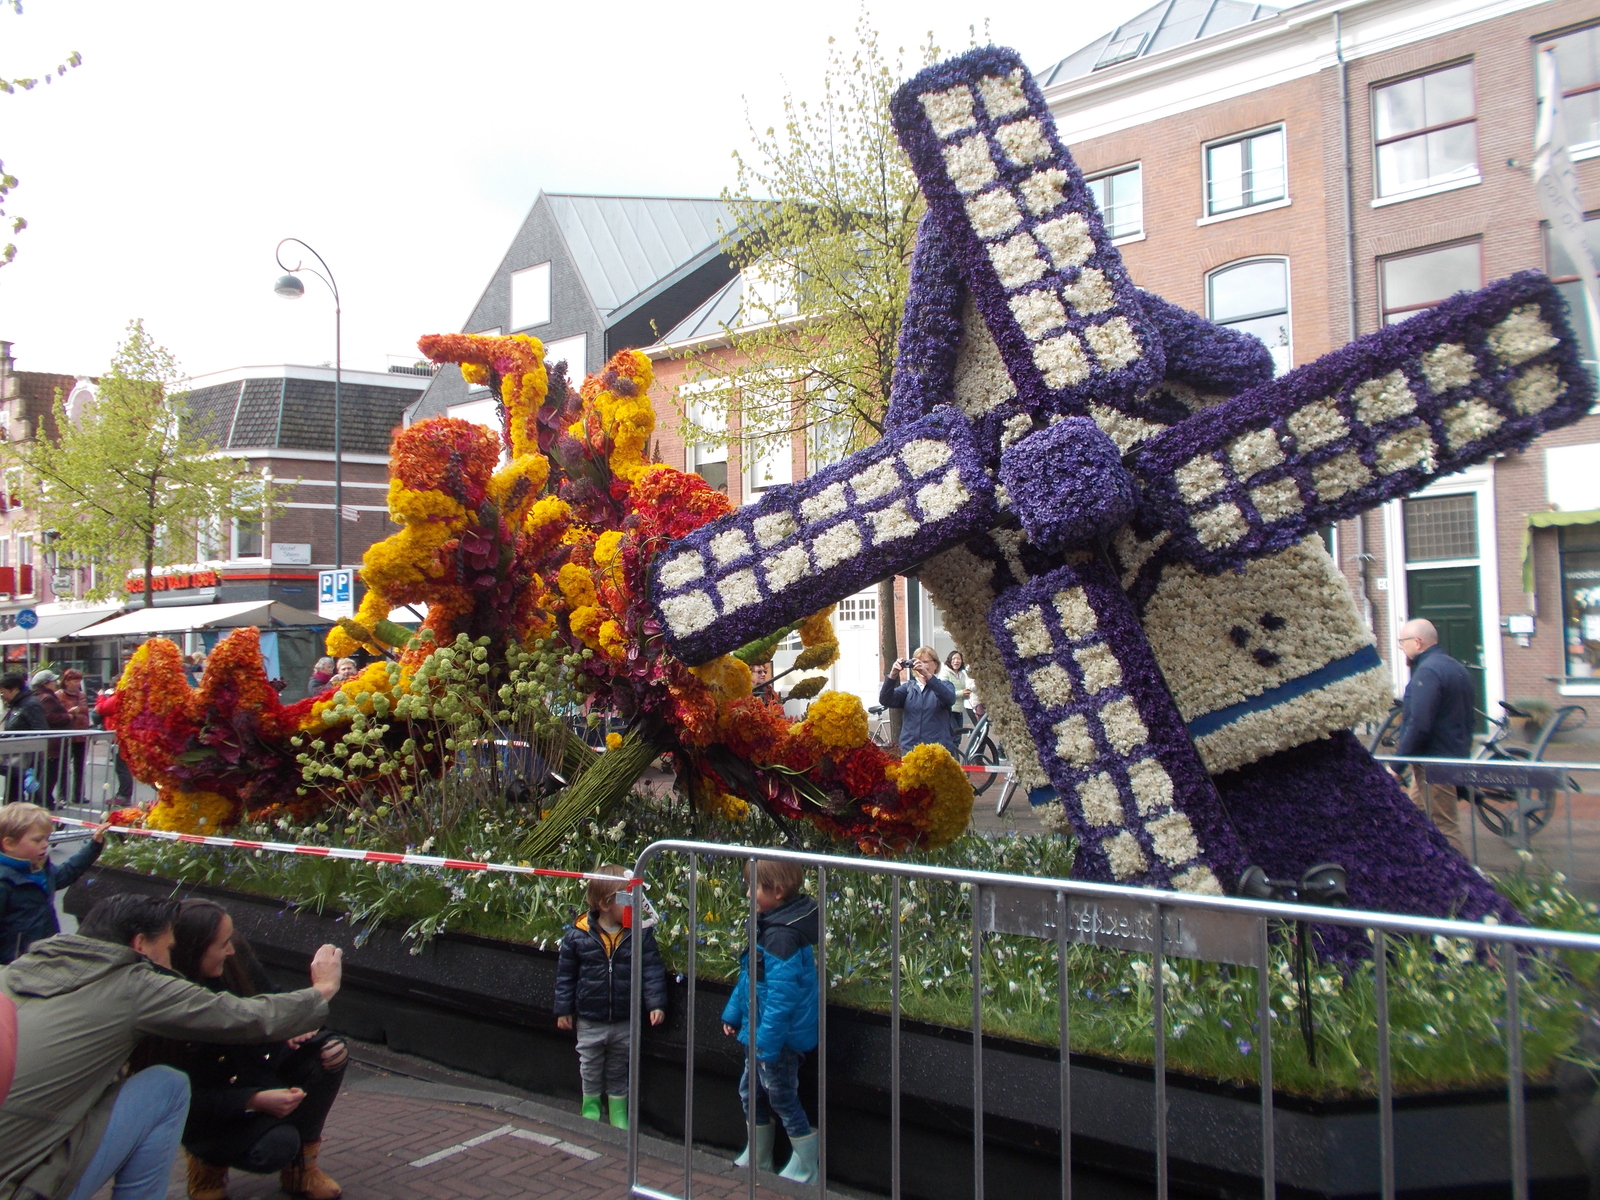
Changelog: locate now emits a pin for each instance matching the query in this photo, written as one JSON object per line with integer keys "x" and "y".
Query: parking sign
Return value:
{"x": 335, "y": 594}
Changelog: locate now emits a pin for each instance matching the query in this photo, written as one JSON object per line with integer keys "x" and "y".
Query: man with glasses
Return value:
{"x": 1436, "y": 719}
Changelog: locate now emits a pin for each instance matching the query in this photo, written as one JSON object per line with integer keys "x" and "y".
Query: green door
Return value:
{"x": 1449, "y": 597}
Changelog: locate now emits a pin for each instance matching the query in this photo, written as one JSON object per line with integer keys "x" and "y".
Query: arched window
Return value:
{"x": 1254, "y": 296}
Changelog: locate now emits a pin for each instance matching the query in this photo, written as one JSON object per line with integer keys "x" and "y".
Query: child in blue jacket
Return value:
{"x": 786, "y": 1015}
{"x": 29, "y": 881}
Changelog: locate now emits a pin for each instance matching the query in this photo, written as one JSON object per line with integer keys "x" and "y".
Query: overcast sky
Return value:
{"x": 405, "y": 141}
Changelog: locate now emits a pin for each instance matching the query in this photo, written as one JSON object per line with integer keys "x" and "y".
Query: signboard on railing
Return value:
{"x": 1500, "y": 774}
{"x": 1122, "y": 925}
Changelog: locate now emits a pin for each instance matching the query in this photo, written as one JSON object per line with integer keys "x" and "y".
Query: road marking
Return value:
{"x": 527, "y": 1135}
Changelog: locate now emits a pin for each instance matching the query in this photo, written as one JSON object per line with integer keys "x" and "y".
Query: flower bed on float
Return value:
{"x": 1446, "y": 1008}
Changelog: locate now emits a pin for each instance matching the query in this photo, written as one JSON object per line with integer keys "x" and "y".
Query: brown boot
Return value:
{"x": 303, "y": 1177}
{"x": 205, "y": 1181}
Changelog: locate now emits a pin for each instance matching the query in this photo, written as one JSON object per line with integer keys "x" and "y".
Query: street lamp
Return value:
{"x": 290, "y": 286}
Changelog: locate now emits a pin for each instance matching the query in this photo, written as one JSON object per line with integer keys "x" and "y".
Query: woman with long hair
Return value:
{"x": 259, "y": 1108}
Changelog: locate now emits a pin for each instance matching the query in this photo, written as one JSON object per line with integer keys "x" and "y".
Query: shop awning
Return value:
{"x": 52, "y": 627}
{"x": 142, "y": 622}
{"x": 1549, "y": 520}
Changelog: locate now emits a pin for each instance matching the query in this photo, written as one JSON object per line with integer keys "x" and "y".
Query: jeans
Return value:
{"x": 779, "y": 1092}
{"x": 142, "y": 1138}
{"x": 603, "y": 1057}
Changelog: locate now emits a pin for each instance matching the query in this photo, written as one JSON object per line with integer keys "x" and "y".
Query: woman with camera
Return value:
{"x": 925, "y": 698}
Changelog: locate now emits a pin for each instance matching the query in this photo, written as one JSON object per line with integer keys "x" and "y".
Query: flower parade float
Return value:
{"x": 1114, "y": 504}
{"x": 533, "y": 571}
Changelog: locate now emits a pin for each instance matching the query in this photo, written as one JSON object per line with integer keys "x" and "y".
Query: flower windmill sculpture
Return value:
{"x": 1115, "y": 505}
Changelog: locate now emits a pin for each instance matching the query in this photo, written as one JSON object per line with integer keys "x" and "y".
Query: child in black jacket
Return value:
{"x": 29, "y": 881}
{"x": 592, "y": 977}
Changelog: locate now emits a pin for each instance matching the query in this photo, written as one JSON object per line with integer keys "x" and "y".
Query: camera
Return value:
{"x": 903, "y": 665}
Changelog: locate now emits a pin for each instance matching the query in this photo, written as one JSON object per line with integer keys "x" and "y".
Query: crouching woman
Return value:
{"x": 257, "y": 1108}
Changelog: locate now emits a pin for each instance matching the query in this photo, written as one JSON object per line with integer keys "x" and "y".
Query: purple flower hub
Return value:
{"x": 1067, "y": 484}
{"x": 1328, "y": 801}
{"x": 802, "y": 546}
{"x": 1009, "y": 201}
{"x": 1482, "y": 373}
{"x": 1108, "y": 734}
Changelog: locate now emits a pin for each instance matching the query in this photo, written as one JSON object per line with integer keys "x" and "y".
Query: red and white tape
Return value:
{"x": 377, "y": 856}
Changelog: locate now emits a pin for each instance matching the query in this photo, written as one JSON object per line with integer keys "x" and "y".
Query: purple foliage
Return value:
{"x": 1067, "y": 484}
{"x": 1138, "y": 679}
{"x": 1336, "y": 445}
{"x": 1328, "y": 801}
{"x": 930, "y": 334}
{"x": 948, "y": 211}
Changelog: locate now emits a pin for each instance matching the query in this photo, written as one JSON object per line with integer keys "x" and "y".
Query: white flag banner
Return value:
{"x": 1556, "y": 185}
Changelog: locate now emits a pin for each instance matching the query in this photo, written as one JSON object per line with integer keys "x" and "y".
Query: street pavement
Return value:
{"x": 404, "y": 1129}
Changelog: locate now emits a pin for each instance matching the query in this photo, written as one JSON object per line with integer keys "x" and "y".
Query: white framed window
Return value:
{"x": 530, "y": 296}
{"x": 1253, "y": 296}
{"x": 1411, "y": 283}
{"x": 573, "y": 351}
{"x": 24, "y": 551}
{"x": 1119, "y": 195}
{"x": 247, "y": 539}
{"x": 1246, "y": 172}
{"x": 208, "y": 542}
{"x": 1578, "y": 59}
{"x": 771, "y": 463}
{"x": 859, "y": 609}
{"x": 1425, "y": 131}
{"x": 708, "y": 459}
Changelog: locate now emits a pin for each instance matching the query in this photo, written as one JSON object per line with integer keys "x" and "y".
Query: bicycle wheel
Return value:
{"x": 988, "y": 755}
{"x": 1497, "y": 810}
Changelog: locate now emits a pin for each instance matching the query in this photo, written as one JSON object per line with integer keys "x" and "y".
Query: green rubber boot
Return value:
{"x": 591, "y": 1108}
{"x": 802, "y": 1166}
{"x": 619, "y": 1111}
{"x": 763, "y": 1150}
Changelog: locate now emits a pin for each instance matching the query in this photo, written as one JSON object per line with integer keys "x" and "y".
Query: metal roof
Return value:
{"x": 625, "y": 246}
{"x": 720, "y": 311}
{"x": 1168, "y": 24}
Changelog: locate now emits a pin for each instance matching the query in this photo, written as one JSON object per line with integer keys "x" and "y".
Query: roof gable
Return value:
{"x": 625, "y": 247}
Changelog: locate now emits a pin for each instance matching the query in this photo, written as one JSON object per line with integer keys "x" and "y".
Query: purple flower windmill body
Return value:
{"x": 1123, "y": 552}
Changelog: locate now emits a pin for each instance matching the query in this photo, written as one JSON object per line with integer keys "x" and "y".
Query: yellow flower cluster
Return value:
{"x": 535, "y": 468}
{"x": 522, "y": 395}
{"x": 837, "y": 721}
{"x": 191, "y": 812}
{"x": 627, "y": 420}
{"x": 946, "y": 815}
{"x": 726, "y": 676}
{"x": 374, "y": 680}
{"x": 728, "y": 807}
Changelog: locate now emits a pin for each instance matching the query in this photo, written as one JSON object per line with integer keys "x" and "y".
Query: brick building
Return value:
{"x": 279, "y": 421}
{"x": 1314, "y": 172}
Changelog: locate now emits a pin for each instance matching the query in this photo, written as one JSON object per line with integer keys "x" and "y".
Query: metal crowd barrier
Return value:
{"x": 33, "y": 761}
{"x": 1500, "y": 774}
{"x": 1140, "y": 920}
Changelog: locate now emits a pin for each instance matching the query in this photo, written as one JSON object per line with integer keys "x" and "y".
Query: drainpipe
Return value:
{"x": 1364, "y": 558}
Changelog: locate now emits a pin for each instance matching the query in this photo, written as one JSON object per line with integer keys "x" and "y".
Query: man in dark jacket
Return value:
{"x": 43, "y": 685}
{"x": 24, "y": 714}
{"x": 1436, "y": 719}
{"x": 926, "y": 699}
{"x": 592, "y": 980}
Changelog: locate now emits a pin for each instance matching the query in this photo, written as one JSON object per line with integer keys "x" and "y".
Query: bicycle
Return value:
{"x": 878, "y": 727}
{"x": 980, "y": 749}
{"x": 1516, "y": 814}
